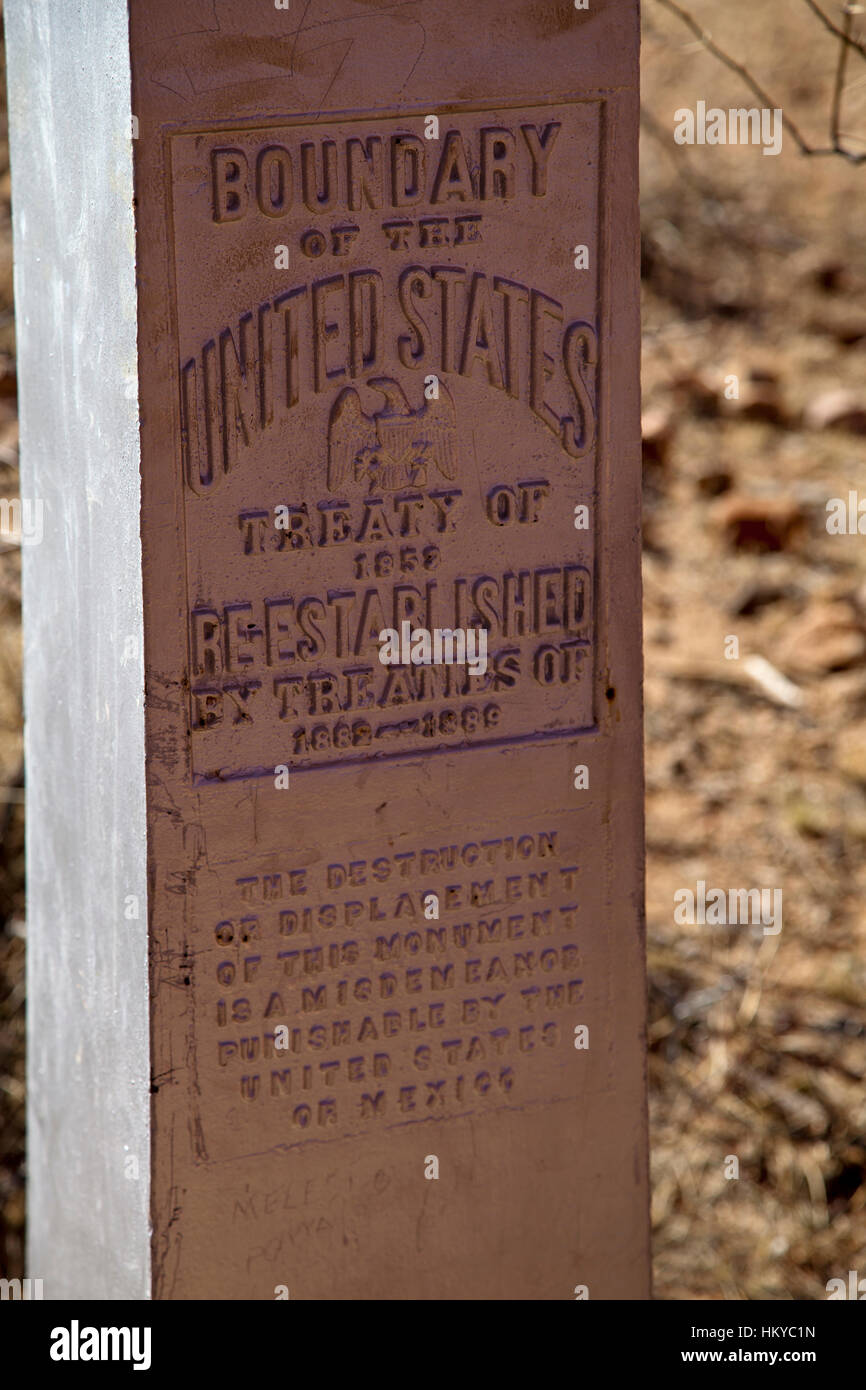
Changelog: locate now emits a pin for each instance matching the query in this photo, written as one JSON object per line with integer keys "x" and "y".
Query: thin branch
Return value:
{"x": 662, "y": 135}
{"x": 706, "y": 39}
{"x": 839, "y": 87}
{"x": 847, "y": 39}
{"x": 743, "y": 73}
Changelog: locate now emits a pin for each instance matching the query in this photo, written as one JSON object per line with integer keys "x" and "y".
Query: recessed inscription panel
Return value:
{"x": 386, "y": 420}
{"x": 396, "y": 983}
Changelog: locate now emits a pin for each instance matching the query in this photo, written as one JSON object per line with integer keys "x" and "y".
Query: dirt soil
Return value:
{"x": 754, "y": 269}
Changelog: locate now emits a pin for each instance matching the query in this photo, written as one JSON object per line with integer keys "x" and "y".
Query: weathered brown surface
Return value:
{"x": 304, "y": 907}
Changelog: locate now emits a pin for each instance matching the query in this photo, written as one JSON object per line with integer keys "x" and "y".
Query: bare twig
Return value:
{"x": 662, "y": 135}
{"x": 836, "y": 109}
{"x": 847, "y": 39}
{"x": 763, "y": 96}
{"x": 704, "y": 38}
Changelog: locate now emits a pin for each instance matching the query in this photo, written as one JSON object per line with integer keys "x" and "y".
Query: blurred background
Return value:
{"x": 754, "y": 268}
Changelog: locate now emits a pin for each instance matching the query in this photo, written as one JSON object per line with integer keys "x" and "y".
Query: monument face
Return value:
{"x": 388, "y": 386}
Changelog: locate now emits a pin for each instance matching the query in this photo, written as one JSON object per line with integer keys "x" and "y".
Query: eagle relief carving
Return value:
{"x": 397, "y": 447}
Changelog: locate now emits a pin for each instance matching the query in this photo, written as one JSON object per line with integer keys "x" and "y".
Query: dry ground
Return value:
{"x": 754, "y": 267}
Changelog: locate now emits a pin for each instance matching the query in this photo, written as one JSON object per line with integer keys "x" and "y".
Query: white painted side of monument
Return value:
{"x": 88, "y": 1147}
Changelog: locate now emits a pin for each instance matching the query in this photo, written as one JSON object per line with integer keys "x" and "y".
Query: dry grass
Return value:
{"x": 757, "y": 1042}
